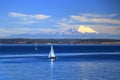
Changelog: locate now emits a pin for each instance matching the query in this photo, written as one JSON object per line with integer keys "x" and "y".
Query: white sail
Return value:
{"x": 51, "y": 53}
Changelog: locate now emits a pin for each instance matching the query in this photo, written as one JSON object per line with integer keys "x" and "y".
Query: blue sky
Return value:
{"x": 60, "y": 19}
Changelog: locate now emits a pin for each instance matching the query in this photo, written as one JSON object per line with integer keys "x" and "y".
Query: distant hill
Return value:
{"x": 59, "y": 41}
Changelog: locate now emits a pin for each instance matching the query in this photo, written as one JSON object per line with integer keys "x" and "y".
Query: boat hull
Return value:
{"x": 52, "y": 58}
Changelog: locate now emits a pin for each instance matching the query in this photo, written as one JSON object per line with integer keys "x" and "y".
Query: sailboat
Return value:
{"x": 51, "y": 53}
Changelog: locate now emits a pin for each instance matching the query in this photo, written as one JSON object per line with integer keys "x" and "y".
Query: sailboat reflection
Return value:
{"x": 51, "y": 68}
{"x": 52, "y": 58}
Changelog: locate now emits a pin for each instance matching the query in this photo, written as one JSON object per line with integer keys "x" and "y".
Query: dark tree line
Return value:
{"x": 55, "y": 41}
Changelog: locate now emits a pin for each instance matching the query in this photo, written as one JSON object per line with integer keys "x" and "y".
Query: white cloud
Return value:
{"x": 41, "y": 16}
{"x": 96, "y": 18}
{"x": 28, "y": 18}
{"x": 86, "y": 29}
{"x": 106, "y": 29}
{"x": 4, "y": 32}
{"x": 99, "y": 15}
{"x": 65, "y": 27}
{"x": 11, "y": 31}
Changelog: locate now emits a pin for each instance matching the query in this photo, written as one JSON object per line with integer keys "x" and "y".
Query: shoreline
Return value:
{"x": 59, "y": 41}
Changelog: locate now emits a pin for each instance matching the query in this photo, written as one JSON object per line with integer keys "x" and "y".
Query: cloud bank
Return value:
{"x": 93, "y": 18}
{"x": 28, "y": 18}
{"x": 72, "y": 26}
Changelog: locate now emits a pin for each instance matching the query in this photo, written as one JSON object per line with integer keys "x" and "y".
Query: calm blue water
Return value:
{"x": 74, "y": 62}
